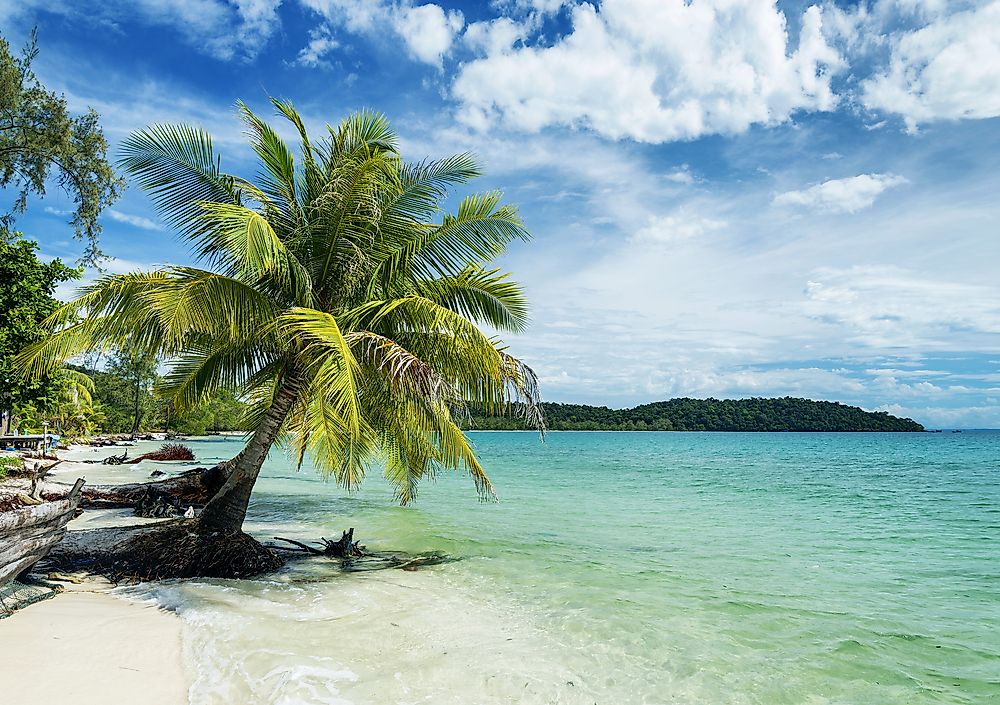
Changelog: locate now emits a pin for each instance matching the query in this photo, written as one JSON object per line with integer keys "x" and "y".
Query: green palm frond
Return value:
{"x": 365, "y": 130}
{"x": 177, "y": 166}
{"x": 248, "y": 248}
{"x": 479, "y": 232}
{"x": 488, "y": 297}
{"x": 278, "y": 177}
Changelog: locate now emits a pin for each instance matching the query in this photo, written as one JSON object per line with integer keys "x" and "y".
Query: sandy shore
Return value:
{"x": 86, "y": 648}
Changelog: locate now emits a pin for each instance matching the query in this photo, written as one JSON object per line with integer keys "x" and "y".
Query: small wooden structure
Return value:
{"x": 28, "y": 533}
{"x": 33, "y": 441}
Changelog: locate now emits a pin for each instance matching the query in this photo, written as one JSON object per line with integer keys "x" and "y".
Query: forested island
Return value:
{"x": 685, "y": 414}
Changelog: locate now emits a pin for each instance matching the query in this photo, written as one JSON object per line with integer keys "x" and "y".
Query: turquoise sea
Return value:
{"x": 625, "y": 568}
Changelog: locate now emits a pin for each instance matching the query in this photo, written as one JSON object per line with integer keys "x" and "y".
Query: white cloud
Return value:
{"x": 540, "y": 6}
{"x": 887, "y": 307}
{"x": 657, "y": 71}
{"x": 137, "y": 221}
{"x": 681, "y": 176}
{"x": 963, "y": 416}
{"x": 841, "y": 195}
{"x": 320, "y": 44}
{"x": 949, "y": 69}
{"x": 428, "y": 30}
{"x": 673, "y": 228}
{"x": 494, "y": 36}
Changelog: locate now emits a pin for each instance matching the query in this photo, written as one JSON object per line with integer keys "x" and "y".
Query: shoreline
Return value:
{"x": 90, "y": 646}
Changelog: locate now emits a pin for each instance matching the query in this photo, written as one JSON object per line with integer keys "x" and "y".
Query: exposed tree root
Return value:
{"x": 181, "y": 548}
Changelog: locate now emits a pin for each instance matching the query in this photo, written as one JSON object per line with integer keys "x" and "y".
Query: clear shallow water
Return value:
{"x": 629, "y": 568}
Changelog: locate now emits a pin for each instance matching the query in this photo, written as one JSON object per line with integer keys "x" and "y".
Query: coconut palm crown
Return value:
{"x": 333, "y": 293}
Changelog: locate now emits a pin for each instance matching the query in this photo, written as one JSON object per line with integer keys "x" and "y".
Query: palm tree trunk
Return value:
{"x": 228, "y": 508}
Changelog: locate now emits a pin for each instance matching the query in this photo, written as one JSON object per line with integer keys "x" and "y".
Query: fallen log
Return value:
{"x": 193, "y": 487}
{"x": 28, "y": 533}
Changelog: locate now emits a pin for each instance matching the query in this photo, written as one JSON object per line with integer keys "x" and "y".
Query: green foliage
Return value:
{"x": 39, "y": 139}
{"x": 138, "y": 371}
{"x": 114, "y": 398}
{"x": 112, "y": 408}
{"x": 684, "y": 414}
{"x": 10, "y": 465}
{"x": 332, "y": 283}
{"x": 221, "y": 411}
{"x": 26, "y": 287}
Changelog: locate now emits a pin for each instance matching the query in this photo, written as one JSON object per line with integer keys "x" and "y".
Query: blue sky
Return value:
{"x": 728, "y": 197}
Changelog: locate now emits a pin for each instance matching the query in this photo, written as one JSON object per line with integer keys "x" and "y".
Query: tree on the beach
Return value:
{"x": 138, "y": 370}
{"x": 26, "y": 299}
{"x": 40, "y": 140}
{"x": 336, "y": 297}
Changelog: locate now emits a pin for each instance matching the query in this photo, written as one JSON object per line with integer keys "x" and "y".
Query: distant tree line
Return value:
{"x": 685, "y": 414}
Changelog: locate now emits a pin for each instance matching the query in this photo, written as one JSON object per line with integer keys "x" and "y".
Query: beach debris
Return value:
{"x": 185, "y": 548}
{"x": 27, "y": 533}
{"x": 195, "y": 486}
{"x": 168, "y": 451}
{"x": 346, "y": 547}
{"x": 115, "y": 459}
{"x": 18, "y": 594}
{"x": 27, "y": 500}
{"x": 176, "y": 548}
{"x": 63, "y": 578}
{"x": 157, "y": 473}
{"x": 189, "y": 514}
{"x": 156, "y": 505}
{"x": 356, "y": 558}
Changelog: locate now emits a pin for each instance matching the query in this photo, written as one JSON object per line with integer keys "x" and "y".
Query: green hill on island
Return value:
{"x": 684, "y": 414}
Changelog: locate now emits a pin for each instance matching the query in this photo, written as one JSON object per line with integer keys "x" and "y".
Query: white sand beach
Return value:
{"x": 90, "y": 647}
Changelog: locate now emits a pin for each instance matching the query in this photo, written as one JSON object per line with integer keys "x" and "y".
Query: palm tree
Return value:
{"x": 334, "y": 294}
{"x": 73, "y": 411}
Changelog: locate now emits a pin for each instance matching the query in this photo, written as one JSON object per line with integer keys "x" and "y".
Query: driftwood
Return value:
{"x": 193, "y": 487}
{"x": 28, "y": 533}
{"x": 356, "y": 558}
{"x": 346, "y": 547}
{"x": 115, "y": 459}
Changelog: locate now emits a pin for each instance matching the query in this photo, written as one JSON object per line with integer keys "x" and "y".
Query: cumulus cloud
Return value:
{"x": 948, "y": 69}
{"x": 494, "y": 36}
{"x": 427, "y": 30}
{"x": 655, "y": 71}
{"x": 841, "y": 195}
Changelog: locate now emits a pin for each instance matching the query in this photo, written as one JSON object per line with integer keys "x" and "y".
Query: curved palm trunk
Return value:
{"x": 228, "y": 508}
